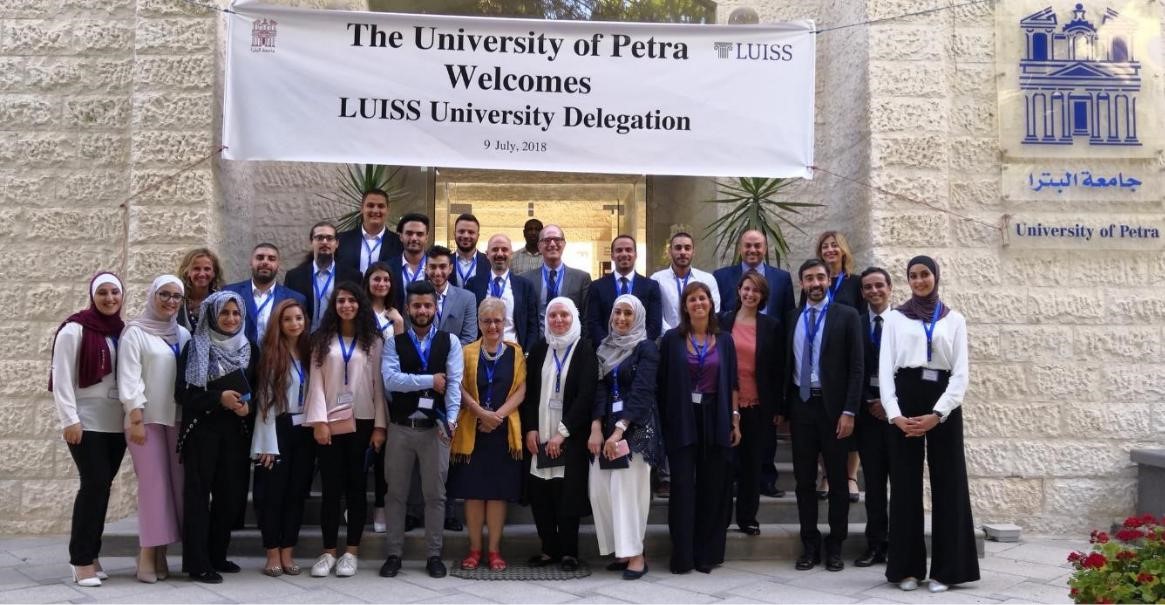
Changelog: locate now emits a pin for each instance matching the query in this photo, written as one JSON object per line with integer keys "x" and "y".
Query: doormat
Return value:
{"x": 520, "y": 571}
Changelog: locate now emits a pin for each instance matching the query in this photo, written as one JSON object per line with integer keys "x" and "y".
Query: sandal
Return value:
{"x": 473, "y": 560}
{"x": 496, "y": 562}
{"x": 854, "y": 494}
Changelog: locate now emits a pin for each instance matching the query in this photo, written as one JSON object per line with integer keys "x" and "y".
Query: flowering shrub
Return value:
{"x": 1127, "y": 567}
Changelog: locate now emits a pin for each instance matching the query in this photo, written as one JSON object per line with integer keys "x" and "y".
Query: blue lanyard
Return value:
{"x": 298, "y": 367}
{"x": 371, "y": 249}
{"x": 701, "y": 354}
{"x": 383, "y": 326}
{"x": 422, "y": 351}
{"x": 558, "y": 367}
{"x": 468, "y": 275}
{"x": 347, "y": 353}
{"x": 440, "y": 309}
{"x": 412, "y": 277}
{"x": 837, "y": 286}
{"x": 811, "y": 330}
{"x": 490, "y": 368}
{"x": 615, "y": 383}
{"x": 546, "y": 283}
{"x": 177, "y": 349}
{"x": 266, "y": 303}
{"x": 874, "y": 336}
{"x": 681, "y": 285}
{"x": 321, "y": 293}
{"x": 497, "y": 291}
{"x": 929, "y": 329}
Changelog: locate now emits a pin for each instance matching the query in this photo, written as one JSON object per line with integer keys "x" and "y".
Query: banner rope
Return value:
{"x": 903, "y": 16}
{"x": 209, "y": 6}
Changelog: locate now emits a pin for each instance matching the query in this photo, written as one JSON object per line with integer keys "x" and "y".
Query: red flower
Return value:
{"x": 1075, "y": 556}
{"x": 1126, "y": 555}
{"x": 1133, "y": 522}
{"x": 1102, "y": 537}
{"x": 1144, "y": 577}
{"x": 1095, "y": 561}
{"x": 1128, "y": 535}
{"x": 1073, "y": 592}
{"x": 1147, "y": 519}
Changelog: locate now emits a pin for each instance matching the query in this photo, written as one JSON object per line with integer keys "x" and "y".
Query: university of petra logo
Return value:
{"x": 263, "y": 35}
{"x": 1079, "y": 80}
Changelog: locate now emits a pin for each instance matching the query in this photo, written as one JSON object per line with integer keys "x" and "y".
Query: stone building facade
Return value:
{"x": 100, "y": 100}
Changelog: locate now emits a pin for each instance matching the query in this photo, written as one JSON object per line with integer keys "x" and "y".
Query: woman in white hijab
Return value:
{"x": 556, "y": 417}
{"x": 147, "y": 363}
{"x": 625, "y": 438}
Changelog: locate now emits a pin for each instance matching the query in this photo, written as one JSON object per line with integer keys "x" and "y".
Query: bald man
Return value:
{"x": 516, "y": 291}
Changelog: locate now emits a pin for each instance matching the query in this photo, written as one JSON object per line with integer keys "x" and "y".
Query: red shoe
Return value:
{"x": 496, "y": 562}
{"x": 472, "y": 561}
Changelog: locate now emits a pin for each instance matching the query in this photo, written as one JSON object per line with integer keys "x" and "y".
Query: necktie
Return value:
{"x": 552, "y": 286}
{"x": 623, "y": 288}
{"x": 807, "y": 357}
{"x": 878, "y": 333}
{"x": 497, "y": 289}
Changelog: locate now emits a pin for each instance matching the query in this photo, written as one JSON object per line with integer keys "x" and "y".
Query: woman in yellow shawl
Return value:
{"x": 487, "y": 446}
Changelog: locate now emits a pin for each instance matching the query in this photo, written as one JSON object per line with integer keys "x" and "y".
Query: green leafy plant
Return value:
{"x": 1127, "y": 567}
{"x": 355, "y": 180}
{"x": 755, "y": 206}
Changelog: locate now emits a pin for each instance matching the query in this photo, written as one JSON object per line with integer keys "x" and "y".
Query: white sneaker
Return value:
{"x": 323, "y": 566}
{"x": 346, "y": 566}
{"x": 379, "y": 520}
{"x": 936, "y": 586}
{"x": 908, "y": 584}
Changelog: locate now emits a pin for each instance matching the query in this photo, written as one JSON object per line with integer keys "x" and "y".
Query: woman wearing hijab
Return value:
{"x": 487, "y": 445}
{"x": 147, "y": 364}
{"x": 556, "y": 421}
{"x": 84, "y": 387}
{"x": 759, "y": 348}
{"x": 215, "y": 374}
{"x": 625, "y": 438}
{"x": 283, "y": 449}
{"x": 923, "y": 372}
{"x": 698, "y": 389}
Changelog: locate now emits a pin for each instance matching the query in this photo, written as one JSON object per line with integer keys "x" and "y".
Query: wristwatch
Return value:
{"x": 941, "y": 416}
{"x": 621, "y": 425}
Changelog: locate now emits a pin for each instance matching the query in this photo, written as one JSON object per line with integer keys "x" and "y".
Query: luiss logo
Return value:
{"x": 263, "y": 35}
{"x": 753, "y": 51}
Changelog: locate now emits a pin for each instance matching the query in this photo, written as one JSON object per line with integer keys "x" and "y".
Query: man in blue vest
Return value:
{"x": 422, "y": 370}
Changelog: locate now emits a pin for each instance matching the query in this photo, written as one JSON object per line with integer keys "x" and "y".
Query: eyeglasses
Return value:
{"x": 324, "y": 238}
{"x": 493, "y": 322}
{"x": 169, "y": 297}
{"x": 554, "y": 240}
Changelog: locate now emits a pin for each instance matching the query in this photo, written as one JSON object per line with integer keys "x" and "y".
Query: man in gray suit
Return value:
{"x": 456, "y": 307}
{"x": 555, "y": 279}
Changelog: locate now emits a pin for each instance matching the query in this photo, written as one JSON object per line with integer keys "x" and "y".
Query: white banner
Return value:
{"x": 516, "y": 94}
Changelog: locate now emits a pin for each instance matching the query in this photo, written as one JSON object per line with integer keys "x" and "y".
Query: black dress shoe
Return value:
{"x": 540, "y": 561}
{"x": 772, "y": 491}
{"x": 616, "y": 566}
{"x": 870, "y": 557}
{"x": 227, "y": 567}
{"x": 569, "y": 563}
{"x": 207, "y": 577}
{"x": 704, "y": 567}
{"x": 435, "y": 567}
{"x": 452, "y": 524}
{"x": 391, "y": 567}
{"x": 411, "y": 523}
{"x": 833, "y": 562}
{"x": 752, "y": 530}
{"x": 629, "y": 574}
{"x": 807, "y": 560}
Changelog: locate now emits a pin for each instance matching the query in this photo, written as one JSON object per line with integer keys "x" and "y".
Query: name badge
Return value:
{"x": 112, "y": 394}
{"x": 555, "y": 403}
{"x": 930, "y": 375}
{"x": 425, "y": 403}
{"x": 617, "y": 407}
{"x": 874, "y": 382}
{"x": 296, "y": 419}
{"x": 345, "y": 398}
{"x": 697, "y": 397}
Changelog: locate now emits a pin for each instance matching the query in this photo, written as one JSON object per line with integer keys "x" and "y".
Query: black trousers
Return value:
{"x": 212, "y": 470}
{"x": 280, "y": 492}
{"x": 768, "y": 465}
{"x": 98, "y": 457}
{"x": 558, "y": 531}
{"x": 814, "y": 433}
{"x": 755, "y": 428}
{"x": 343, "y": 474}
{"x": 700, "y": 505}
{"x": 873, "y": 437}
{"x": 955, "y": 559}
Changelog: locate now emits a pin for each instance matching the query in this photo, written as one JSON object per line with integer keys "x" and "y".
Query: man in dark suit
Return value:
{"x": 554, "y": 278}
{"x": 370, "y": 242}
{"x": 872, "y": 432}
{"x": 516, "y": 291}
{"x": 470, "y": 267}
{"x": 456, "y": 307}
{"x": 754, "y": 250}
{"x": 824, "y": 360}
{"x": 262, "y": 293}
{"x": 624, "y": 280}
{"x": 409, "y": 266}
{"x": 316, "y": 277}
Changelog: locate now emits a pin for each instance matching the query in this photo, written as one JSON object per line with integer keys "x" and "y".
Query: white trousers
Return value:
{"x": 620, "y": 501}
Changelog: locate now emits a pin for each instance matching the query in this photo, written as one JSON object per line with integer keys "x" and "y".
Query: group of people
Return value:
{"x": 451, "y": 374}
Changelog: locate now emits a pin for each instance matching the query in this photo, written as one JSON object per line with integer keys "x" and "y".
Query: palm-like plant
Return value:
{"x": 355, "y": 181}
{"x": 755, "y": 206}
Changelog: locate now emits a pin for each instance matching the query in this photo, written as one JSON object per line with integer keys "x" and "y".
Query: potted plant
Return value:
{"x": 755, "y": 205}
{"x": 1127, "y": 567}
{"x": 355, "y": 180}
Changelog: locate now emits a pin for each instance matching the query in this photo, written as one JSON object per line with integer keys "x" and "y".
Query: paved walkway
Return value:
{"x": 33, "y": 570}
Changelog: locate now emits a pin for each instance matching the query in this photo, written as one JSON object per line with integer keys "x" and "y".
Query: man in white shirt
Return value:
{"x": 470, "y": 267}
{"x": 317, "y": 276}
{"x": 528, "y": 257}
{"x": 871, "y": 430}
{"x": 678, "y": 275}
{"x": 515, "y": 291}
{"x": 371, "y": 242}
{"x": 261, "y": 293}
